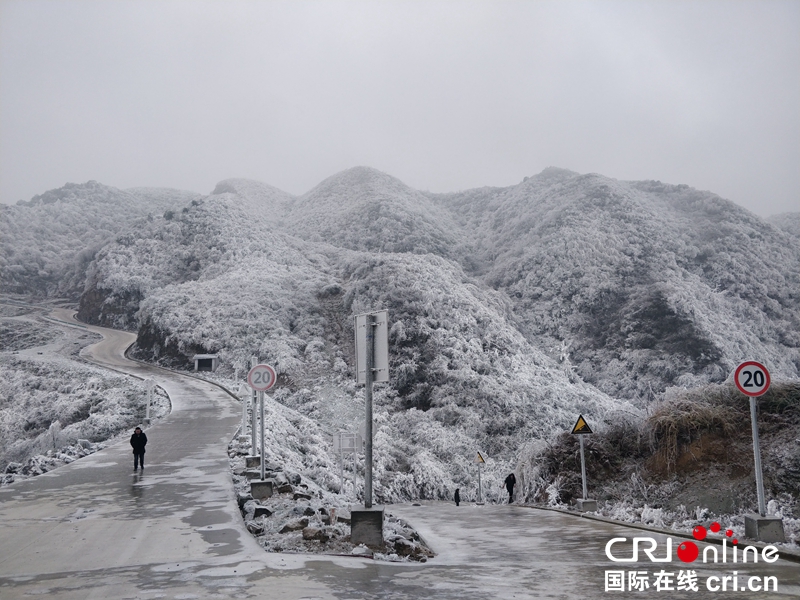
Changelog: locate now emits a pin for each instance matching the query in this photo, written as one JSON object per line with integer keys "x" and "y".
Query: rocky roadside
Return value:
{"x": 42, "y": 463}
{"x": 301, "y": 517}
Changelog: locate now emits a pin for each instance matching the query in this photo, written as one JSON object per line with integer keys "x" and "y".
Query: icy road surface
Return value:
{"x": 95, "y": 529}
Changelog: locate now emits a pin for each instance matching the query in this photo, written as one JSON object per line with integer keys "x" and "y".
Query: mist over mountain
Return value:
{"x": 789, "y": 222}
{"x": 511, "y": 309}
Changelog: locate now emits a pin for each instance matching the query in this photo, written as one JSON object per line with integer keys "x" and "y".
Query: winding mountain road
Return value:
{"x": 95, "y": 529}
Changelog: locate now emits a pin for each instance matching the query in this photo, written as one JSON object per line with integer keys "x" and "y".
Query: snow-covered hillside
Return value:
{"x": 54, "y": 407}
{"x": 364, "y": 209}
{"x": 48, "y": 242}
{"x": 512, "y": 309}
{"x": 646, "y": 284}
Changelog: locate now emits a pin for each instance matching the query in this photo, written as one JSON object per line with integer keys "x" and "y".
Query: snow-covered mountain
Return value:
{"x": 512, "y": 309}
{"x": 364, "y": 209}
{"x": 48, "y": 242}
{"x": 647, "y": 284}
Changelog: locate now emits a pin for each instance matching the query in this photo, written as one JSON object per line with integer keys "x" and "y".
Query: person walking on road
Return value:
{"x": 457, "y": 497}
{"x": 510, "y": 481}
{"x": 138, "y": 441}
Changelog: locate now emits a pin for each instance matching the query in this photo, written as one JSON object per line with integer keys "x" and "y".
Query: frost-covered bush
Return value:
{"x": 46, "y": 404}
{"x": 689, "y": 451}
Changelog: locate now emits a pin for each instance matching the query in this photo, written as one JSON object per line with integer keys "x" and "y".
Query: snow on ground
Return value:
{"x": 302, "y": 517}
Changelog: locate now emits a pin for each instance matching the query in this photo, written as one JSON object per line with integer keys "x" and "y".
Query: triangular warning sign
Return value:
{"x": 581, "y": 426}
{"x": 479, "y": 458}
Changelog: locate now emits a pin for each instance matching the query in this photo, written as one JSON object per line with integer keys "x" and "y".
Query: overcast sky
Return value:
{"x": 443, "y": 95}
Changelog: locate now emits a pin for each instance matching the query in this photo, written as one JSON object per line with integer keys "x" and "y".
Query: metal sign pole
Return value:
{"x": 244, "y": 394}
{"x": 583, "y": 470}
{"x": 369, "y": 376}
{"x": 762, "y": 508}
{"x": 480, "y": 490}
{"x": 253, "y": 422}
{"x": 263, "y": 465}
{"x": 253, "y": 448}
{"x": 244, "y": 414}
{"x": 753, "y": 380}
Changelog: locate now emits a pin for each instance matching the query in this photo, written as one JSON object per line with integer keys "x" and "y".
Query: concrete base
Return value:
{"x": 586, "y": 505}
{"x": 366, "y": 527}
{"x": 764, "y": 529}
{"x": 261, "y": 489}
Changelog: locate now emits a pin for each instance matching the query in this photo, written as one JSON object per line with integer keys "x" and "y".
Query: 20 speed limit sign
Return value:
{"x": 261, "y": 378}
{"x": 752, "y": 378}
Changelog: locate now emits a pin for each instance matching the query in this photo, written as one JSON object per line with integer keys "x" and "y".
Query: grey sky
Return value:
{"x": 443, "y": 95}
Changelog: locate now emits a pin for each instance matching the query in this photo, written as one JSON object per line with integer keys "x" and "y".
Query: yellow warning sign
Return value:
{"x": 479, "y": 458}
{"x": 581, "y": 426}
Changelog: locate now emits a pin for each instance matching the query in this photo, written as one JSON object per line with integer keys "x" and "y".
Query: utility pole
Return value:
{"x": 372, "y": 366}
{"x": 369, "y": 377}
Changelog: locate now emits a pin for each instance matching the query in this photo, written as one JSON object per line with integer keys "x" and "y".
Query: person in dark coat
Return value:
{"x": 510, "y": 482}
{"x": 457, "y": 497}
{"x": 138, "y": 441}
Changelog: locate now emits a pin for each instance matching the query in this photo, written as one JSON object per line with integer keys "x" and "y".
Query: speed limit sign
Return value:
{"x": 752, "y": 378}
{"x": 261, "y": 378}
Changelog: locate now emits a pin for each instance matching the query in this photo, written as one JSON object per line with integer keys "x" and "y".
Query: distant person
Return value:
{"x": 138, "y": 441}
{"x": 457, "y": 497}
{"x": 510, "y": 482}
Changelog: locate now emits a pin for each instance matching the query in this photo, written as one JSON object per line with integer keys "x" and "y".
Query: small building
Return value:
{"x": 206, "y": 362}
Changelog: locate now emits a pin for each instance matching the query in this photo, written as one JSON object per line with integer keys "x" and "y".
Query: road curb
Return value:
{"x": 789, "y": 555}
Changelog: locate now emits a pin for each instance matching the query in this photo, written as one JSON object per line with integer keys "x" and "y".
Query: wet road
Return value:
{"x": 94, "y": 529}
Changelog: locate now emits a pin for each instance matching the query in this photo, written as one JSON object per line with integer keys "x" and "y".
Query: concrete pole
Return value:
{"x": 341, "y": 462}
{"x": 583, "y": 470}
{"x": 762, "y": 508}
{"x": 368, "y": 378}
{"x": 244, "y": 394}
{"x": 263, "y": 465}
{"x": 150, "y": 386}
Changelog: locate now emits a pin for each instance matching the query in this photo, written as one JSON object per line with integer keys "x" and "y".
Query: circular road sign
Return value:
{"x": 752, "y": 378}
{"x": 261, "y": 378}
